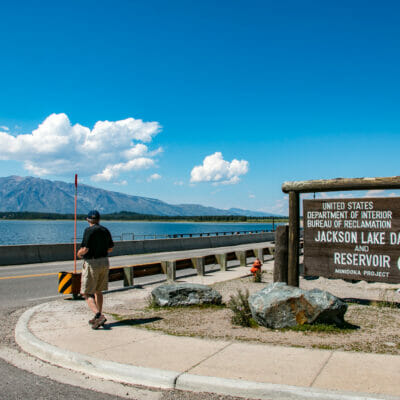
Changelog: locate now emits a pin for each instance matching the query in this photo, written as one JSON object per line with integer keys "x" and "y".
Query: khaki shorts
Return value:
{"x": 94, "y": 275}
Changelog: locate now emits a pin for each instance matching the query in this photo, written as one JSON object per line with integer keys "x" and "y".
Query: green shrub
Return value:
{"x": 239, "y": 304}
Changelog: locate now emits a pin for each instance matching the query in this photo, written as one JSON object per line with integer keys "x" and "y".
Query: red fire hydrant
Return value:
{"x": 256, "y": 267}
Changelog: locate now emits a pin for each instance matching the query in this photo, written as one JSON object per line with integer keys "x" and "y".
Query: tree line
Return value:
{"x": 132, "y": 216}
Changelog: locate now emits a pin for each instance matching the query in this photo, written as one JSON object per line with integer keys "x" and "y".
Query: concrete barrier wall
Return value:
{"x": 38, "y": 253}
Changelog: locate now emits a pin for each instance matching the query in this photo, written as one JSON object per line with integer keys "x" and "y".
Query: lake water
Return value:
{"x": 39, "y": 232}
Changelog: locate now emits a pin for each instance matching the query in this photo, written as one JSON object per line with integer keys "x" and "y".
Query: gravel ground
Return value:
{"x": 375, "y": 328}
{"x": 8, "y": 320}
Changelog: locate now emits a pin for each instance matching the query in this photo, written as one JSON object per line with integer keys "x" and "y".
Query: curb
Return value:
{"x": 267, "y": 391}
{"x": 163, "y": 379}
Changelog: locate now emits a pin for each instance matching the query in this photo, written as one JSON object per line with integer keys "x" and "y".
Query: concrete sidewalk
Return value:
{"x": 58, "y": 332}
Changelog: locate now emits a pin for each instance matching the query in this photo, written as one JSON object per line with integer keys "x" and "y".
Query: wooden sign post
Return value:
{"x": 294, "y": 239}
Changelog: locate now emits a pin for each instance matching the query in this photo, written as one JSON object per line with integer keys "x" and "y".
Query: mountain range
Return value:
{"x": 42, "y": 195}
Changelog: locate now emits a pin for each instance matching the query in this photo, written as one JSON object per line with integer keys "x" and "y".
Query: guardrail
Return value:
{"x": 69, "y": 283}
{"x": 149, "y": 236}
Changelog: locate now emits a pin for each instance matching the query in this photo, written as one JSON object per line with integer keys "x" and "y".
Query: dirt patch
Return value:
{"x": 378, "y": 324}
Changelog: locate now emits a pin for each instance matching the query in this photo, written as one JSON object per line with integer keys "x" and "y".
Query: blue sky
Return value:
{"x": 213, "y": 102}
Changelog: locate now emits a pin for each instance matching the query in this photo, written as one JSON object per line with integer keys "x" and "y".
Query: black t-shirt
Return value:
{"x": 98, "y": 240}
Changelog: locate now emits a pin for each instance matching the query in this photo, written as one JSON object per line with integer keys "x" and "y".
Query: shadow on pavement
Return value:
{"x": 132, "y": 322}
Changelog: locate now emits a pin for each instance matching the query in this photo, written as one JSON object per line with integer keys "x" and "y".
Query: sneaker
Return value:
{"x": 99, "y": 322}
{"x": 91, "y": 321}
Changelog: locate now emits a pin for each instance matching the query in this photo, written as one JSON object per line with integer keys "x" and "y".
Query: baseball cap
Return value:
{"x": 93, "y": 214}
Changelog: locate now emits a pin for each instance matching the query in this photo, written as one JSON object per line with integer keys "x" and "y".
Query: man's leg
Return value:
{"x": 95, "y": 303}
{"x": 98, "y": 297}
{"x": 88, "y": 286}
{"x": 92, "y": 302}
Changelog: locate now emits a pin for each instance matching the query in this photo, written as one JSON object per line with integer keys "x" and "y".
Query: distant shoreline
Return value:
{"x": 267, "y": 221}
{"x": 135, "y": 217}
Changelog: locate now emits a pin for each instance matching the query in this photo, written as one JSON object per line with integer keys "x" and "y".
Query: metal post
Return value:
{"x": 76, "y": 197}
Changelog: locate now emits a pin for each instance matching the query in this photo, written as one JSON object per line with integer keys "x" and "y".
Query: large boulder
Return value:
{"x": 279, "y": 306}
{"x": 185, "y": 294}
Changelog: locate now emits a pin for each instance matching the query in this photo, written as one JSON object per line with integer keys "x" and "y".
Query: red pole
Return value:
{"x": 76, "y": 195}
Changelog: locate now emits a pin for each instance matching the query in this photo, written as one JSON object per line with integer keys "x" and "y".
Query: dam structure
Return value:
{"x": 42, "y": 253}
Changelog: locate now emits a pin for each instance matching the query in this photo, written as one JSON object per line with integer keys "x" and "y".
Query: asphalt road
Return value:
{"x": 17, "y": 385}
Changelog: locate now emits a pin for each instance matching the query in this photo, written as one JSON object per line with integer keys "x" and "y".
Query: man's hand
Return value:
{"x": 82, "y": 251}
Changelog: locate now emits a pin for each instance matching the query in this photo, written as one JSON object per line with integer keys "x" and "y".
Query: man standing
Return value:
{"x": 96, "y": 244}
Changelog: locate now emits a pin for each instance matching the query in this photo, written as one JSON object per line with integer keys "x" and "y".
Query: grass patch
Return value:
{"x": 385, "y": 304}
{"x": 386, "y": 300}
{"x": 323, "y": 347}
{"x": 117, "y": 317}
{"x": 323, "y": 328}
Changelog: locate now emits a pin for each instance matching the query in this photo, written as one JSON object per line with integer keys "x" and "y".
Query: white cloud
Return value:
{"x": 179, "y": 183}
{"x": 4, "y": 128}
{"x": 334, "y": 195}
{"x": 57, "y": 147}
{"x": 154, "y": 177}
{"x": 281, "y": 206}
{"x": 112, "y": 171}
{"x": 122, "y": 183}
{"x": 351, "y": 195}
{"x": 375, "y": 193}
{"x": 215, "y": 169}
{"x": 252, "y": 196}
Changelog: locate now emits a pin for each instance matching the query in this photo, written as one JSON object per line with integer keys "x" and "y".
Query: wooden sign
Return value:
{"x": 352, "y": 238}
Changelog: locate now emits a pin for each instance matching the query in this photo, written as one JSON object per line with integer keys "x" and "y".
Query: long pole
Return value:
{"x": 76, "y": 196}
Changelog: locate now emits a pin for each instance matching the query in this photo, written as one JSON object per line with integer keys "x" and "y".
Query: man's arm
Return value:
{"x": 82, "y": 251}
{"x": 110, "y": 242}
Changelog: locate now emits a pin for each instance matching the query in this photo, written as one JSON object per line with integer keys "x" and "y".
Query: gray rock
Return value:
{"x": 279, "y": 306}
{"x": 331, "y": 308}
{"x": 185, "y": 294}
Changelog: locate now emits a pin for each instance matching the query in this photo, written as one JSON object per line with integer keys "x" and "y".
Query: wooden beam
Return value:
{"x": 339, "y": 184}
